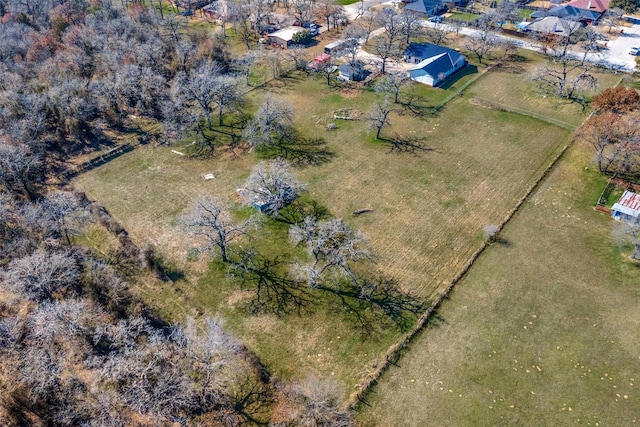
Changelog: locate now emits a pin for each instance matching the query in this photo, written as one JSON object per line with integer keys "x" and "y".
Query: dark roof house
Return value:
{"x": 428, "y": 7}
{"x": 434, "y": 64}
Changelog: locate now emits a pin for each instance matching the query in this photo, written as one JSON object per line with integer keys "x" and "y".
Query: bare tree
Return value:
{"x": 245, "y": 62}
{"x": 41, "y": 275}
{"x": 298, "y": 55}
{"x": 301, "y": 10}
{"x": 271, "y": 125}
{"x": 378, "y": 116}
{"x": 393, "y": 83}
{"x": 507, "y": 46}
{"x": 351, "y": 42}
{"x": 565, "y": 74}
{"x": 491, "y": 232}
{"x": 328, "y": 11}
{"x": 271, "y": 186}
{"x": 242, "y": 26}
{"x": 483, "y": 41}
{"x": 205, "y": 86}
{"x": 332, "y": 245}
{"x": 65, "y": 212}
{"x": 611, "y": 16}
{"x": 19, "y": 167}
{"x": 437, "y": 33}
{"x": 261, "y": 13}
{"x": 209, "y": 218}
{"x": 389, "y": 44}
{"x": 313, "y": 402}
{"x": 226, "y": 92}
{"x": 616, "y": 141}
{"x": 368, "y": 22}
{"x": 326, "y": 69}
{"x": 411, "y": 24}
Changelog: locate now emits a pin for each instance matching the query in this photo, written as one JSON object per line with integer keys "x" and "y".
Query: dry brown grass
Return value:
{"x": 428, "y": 218}
{"x": 543, "y": 331}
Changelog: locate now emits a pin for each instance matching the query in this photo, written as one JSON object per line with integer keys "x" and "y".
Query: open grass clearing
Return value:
{"x": 543, "y": 331}
{"x": 429, "y": 212}
{"x": 523, "y": 94}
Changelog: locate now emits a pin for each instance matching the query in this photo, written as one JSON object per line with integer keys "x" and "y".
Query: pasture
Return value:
{"x": 429, "y": 209}
{"x": 542, "y": 331}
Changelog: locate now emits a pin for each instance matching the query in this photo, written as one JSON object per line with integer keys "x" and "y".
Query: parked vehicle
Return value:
{"x": 635, "y": 51}
{"x": 436, "y": 19}
{"x": 332, "y": 48}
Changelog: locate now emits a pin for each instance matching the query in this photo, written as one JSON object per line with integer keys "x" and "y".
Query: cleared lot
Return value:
{"x": 543, "y": 331}
{"x": 428, "y": 215}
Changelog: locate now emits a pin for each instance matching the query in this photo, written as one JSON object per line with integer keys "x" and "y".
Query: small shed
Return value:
{"x": 627, "y": 208}
{"x": 284, "y": 37}
{"x": 354, "y": 72}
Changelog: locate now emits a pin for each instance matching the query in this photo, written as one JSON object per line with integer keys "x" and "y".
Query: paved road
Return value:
{"x": 615, "y": 56}
{"x": 617, "y": 53}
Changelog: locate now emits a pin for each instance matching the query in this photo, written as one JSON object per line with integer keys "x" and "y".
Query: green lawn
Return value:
{"x": 429, "y": 210}
{"x": 543, "y": 331}
{"x": 524, "y": 94}
{"x": 464, "y": 16}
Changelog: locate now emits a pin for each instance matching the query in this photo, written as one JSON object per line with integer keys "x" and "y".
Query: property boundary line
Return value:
{"x": 498, "y": 106}
{"x": 394, "y": 352}
{"x": 461, "y": 89}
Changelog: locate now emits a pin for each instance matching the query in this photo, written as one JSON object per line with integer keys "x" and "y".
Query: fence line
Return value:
{"x": 98, "y": 161}
{"x": 503, "y": 107}
{"x": 461, "y": 89}
{"x": 395, "y": 350}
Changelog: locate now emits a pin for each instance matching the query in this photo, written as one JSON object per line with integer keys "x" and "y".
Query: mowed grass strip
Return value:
{"x": 543, "y": 331}
{"x": 428, "y": 212}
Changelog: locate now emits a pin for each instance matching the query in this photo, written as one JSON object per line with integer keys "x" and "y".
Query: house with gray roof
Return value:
{"x": 569, "y": 13}
{"x": 553, "y": 25}
{"x": 434, "y": 64}
{"x": 427, "y": 7}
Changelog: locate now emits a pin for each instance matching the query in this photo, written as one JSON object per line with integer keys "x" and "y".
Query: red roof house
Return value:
{"x": 627, "y": 208}
{"x": 599, "y": 6}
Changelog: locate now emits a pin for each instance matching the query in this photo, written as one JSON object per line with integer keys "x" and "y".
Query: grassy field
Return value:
{"x": 463, "y": 16}
{"x": 523, "y": 94}
{"x": 428, "y": 213}
{"x": 543, "y": 331}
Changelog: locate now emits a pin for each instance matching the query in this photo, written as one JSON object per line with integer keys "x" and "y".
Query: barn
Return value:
{"x": 284, "y": 37}
{"x": 627, "y": 208}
